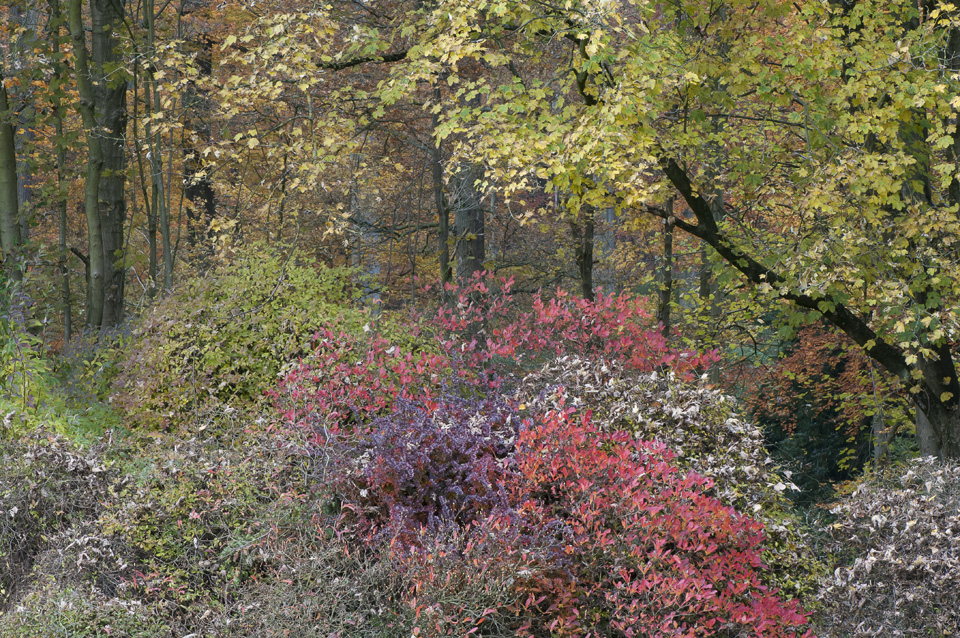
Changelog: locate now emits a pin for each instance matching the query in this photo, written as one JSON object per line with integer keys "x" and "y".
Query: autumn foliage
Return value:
{"x": 551, "y": 528}
{"x": 487, "y": 329}
{"x": 523, "y": 519}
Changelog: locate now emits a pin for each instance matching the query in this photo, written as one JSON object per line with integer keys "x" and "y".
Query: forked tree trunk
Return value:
{"x": 102, "y": 107}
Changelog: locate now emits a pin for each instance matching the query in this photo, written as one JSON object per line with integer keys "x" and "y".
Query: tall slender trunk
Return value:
{"x": 157, "y": 189}
{"x": 361, "y": 251}
{"x": 56, "y": 21}
{"x": 10, "y": 238}
{"x": 606, "y": 242}
{"x": 709, "y": 291}
{"x": 666, "y": 283}
{"x": 201, "y": 198}
{"x": 443, "y": 212}
{"x": 25, "y": 17}
{"x": 91, "y": 203}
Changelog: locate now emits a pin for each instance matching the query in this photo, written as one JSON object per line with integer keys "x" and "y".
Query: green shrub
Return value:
{"x": 55, "y": 612}
{"x": 222, "y": 339}
{"x": 192, "y": 515}
{"x": 65, "y": 394}
{"x": 26, "y": 376}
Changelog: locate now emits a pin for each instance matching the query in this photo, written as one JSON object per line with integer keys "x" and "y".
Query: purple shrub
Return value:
{"x": 426, "y": 467}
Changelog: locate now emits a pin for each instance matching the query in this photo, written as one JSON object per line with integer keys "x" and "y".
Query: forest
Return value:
{"x": 527, "y": 318}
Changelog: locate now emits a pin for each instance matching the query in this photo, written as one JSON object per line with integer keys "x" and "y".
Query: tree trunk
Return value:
{"x": 111, "y": 112}
{"x": 468, "y": 225}
{"x": 934, "y": 378}
{"x": 10, "y": 237}
{"x": 583, "y": 230}
{"x": 938, "y": 429}
{"x": 25, "y": 17}
{"x": 666, "y": 283}
{"x": 201, "y": 198}
{"x": 606, "y": 240}
{"x": 91, "y": 202}
{"x": 443, "y": 212}
{"x": 362, "y": 255}
{"x": 56, "y": 21}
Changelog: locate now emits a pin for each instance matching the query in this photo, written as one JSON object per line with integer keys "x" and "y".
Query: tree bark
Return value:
{"x": 468, "y": 225}
{"x": 666, "y": 283}
{"x": 92, "y": 133}
{"x": 201, "y": 198}
{"x": 56, "y": 21}
{"x": 443, "y": 212}
{"x": 583, "y": 232}
{"x": 25, "y": 17}
{"x": 111, "y": 110}
{"x": 10, "y": 237}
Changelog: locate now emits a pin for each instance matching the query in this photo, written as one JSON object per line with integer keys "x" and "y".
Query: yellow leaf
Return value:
{"x": 253, "y": 142}
{"x": 230, "y": 39}
{"x": 946, "y": 396}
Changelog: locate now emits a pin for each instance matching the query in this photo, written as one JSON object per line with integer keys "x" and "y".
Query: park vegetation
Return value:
{"x": 501, "y": 318}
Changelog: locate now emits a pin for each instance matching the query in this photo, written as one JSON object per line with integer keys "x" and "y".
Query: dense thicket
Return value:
{"x": 392, "y": 317}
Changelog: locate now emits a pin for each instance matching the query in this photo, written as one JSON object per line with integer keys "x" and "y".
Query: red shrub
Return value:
{"x": 481, "y": 340}
{"x": 488, "y": 331}
{"x": 642, "y": 550}
{"x": 606, "y": 538}
{"x": 347, "y": 381}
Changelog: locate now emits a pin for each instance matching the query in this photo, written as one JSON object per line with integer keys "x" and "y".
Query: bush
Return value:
{"x": 55, "y": 612}
{"x": 606, "y": 538}
{"x": 63, "y": 394}
{"x": 424, "y": 468}
{"x": 222, "y": 339}
{"x": 348, "y": 380}
{"x": 487, "y": 329}
{"x": 321, "y": 589}
{"x": 644, "y": 550}
{"x": 47, "y": 485}
{"x": 192, "y": 514}
{"x": 897, "y": 540}
{"x": 701, "y": 426}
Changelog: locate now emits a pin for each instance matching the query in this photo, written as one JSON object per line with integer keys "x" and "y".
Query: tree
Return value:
{"x": 840, "y": 194}
{"x": 102, "y": 105}
{"x": 10, "y": 237}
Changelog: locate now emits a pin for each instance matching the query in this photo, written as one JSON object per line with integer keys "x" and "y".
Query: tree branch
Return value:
{"x": 889, "y": 356}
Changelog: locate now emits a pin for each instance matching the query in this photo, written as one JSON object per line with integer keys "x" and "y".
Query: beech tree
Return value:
{"x": 10, "y": 238}
{"x": 813, "y": 145}
{"x": 102, "y": 89}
